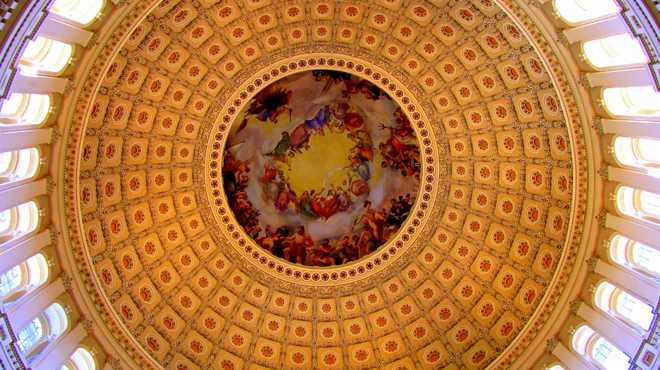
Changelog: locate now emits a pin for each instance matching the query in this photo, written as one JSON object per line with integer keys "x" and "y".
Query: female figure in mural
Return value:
{"x": 305, "y": 205}
{"x": 344, "y": 199}
{"x": 284, "y": 196}
{"x": 325, "y": 207}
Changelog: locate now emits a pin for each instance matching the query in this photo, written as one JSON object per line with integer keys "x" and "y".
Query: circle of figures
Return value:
{"x": 371, "y": 228}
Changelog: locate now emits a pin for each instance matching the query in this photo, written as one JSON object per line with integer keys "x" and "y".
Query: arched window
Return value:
{"x": 57, "y": 320}
{"x": 639, "y": 203}
{"x": 30, "y": 335}
{"x": 598, "y": 350}
{"x": 623, "y": 306}
{"x": 44, "y": 56}
{"x": 556, "y": 367}
{"x": 635, "y": 101}
{"x": 25, "y": 109}
{"x": 642, "y": 153}
{"x": 614, "y": 51}
{"x": 82, "y": 359}
{"x": 580, "y": 11}
{"x": 18, "y": 221}
{"x": 23, "y": 278}
{"x": 18, "y": 165}
{"x": 635, "y": 255}
{"x": 82, "y": 12}
{"x": 43, "y": 330}
{"x": 10, "y": 280}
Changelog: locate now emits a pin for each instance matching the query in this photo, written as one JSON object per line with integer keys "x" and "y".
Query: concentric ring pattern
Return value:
{"x": 468, "y": 280}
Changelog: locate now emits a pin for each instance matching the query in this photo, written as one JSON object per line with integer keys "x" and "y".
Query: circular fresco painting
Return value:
{"x": 321, "y": 168}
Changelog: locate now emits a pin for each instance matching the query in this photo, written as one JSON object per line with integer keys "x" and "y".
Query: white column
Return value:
{"x": 625, "y": 341}
{"x": 60, "y": 31}
{"x": 646, "y": 292}
{"x": 21, "y": 194}
{"x": 621, "y": 78}
{"x": 569, "y": 359}
{"x": 634, "y": 231}
{"x": 597, "y": 30}
{"x": 54, "y": 357}
{"x": 16, "y": 140}
{"x": 22, "y": 251}
{"x": 22, "y": 313}
{"x": 637, "y": 180}
{"x": 38, "y": 84}
{"x": 631, "y": 128}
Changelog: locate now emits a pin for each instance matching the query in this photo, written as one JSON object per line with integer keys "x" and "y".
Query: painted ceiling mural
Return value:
{"x": 264, "y": 184}
{"x": 323, "y": 168}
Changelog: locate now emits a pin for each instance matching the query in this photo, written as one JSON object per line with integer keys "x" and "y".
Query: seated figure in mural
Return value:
{"x": 297, "y": 245}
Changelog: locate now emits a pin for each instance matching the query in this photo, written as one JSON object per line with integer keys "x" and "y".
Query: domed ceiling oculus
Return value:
{"x": 470, "y": 278}
{"x": 322, "y": 168}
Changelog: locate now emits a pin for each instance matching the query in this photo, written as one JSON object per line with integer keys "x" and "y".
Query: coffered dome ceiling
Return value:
{"x": 181, "y": 122}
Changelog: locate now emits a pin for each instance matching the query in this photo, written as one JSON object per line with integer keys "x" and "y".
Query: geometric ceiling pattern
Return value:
{"x": 467, "y": 282}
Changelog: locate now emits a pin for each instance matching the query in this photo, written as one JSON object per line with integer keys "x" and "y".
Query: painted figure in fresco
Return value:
{"x": 268, "y": 105}
{"x": 325, "y": 206}
{"x": 297, "y": 245}
{"x": 299, "y": 138}
{"x": 316, "y": 124}
{"x": 270, "y": 171}
{"x": 373, "y": 222}
{"x": 282, "y": 151}
{"x": 347, "y": 118}
{"x": 305, "y": 206}
{"x": 357, "y": 85}
{"x": 235, "y": 166}
{"x": 364, "y": 146}
{"x": 339, "y": 254}
{"x": 274, "y": 179}
{"x": 284, "y": 197}
{"x": 344, "y": 199}
{"x": 400, "y": 152}
{"x": 321, "y": 256}
{"x": 359, "y": 166}
{"x": 331, "y": 78}
{"x": 269, "y": 239}
{"x": 356, "y": 185}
